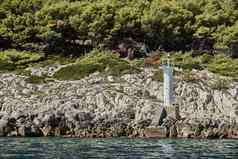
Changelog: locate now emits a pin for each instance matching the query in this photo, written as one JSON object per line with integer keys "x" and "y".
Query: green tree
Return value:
{"x": 169, "y": 24}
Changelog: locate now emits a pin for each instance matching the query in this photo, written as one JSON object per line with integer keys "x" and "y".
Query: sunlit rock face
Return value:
{"x": 105, "y": 106}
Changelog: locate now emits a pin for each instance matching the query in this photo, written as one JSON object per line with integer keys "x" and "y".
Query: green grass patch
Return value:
{"x": 35, "y": 79}
{"x": 22, "y": 72}
{"x": 224, "y": 65}
{"x": 77, "y": 71}
{"x": 19, "y": 57}
{"x": 6, "y": 66}
{"x": 188, "y": 62}
{"x": 219, "y": 64}
{"x": 53, "y": 60}
{"x": 138, "y": 62}
{"x": 11, "y": 60}
{"x": 185, "y": 61}
{"x": 96, "y": 61}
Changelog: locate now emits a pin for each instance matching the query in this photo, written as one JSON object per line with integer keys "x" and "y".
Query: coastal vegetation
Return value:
{"x": 220, "y": 64}
{"x": 111, "y": 64}
{"x": 66, "y": 26}
{"x": 96, "y": 61}
{"x": 199, "y": 34}
{"x": 12, "y": 59}
{"x": 36, "y": 79}
{"x": 92, "y": 68}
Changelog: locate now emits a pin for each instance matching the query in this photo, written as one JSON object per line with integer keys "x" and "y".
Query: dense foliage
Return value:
{"x": 96, "y": 61}
{"x": 76, "y": 26}
{"x": 12, "y": 59}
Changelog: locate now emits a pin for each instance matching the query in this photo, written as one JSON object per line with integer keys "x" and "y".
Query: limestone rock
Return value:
{"x": 3, "y": 125}
{"x": 25, "y": 131}
{"x": 208, "y": 134}
{"x": 187, "y": 132}
{"x": 173, "y": 131}
{"x": 119, "y": 106}
{"x": 159, "y": 132}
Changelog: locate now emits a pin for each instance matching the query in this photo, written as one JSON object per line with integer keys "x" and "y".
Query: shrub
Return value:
{"x": 224, "y": 65}
{"x": 7, "y": 66}
{"x": 138, "y": 63}
{"x": 105, "y": 62}
{"x": 219, "y": 64}
{"x": 77, "y": 71}
{"x": 233, "y": 49}
{"x": 186, "y": 61}
{"x": 19, "y": 58}
{"x": 205, "y": 59}
{"x": 35, "y": 79}
{"x": 171, "y": 24}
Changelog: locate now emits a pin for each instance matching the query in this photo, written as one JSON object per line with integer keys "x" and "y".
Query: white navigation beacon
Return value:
{"x": 168, "y": 81}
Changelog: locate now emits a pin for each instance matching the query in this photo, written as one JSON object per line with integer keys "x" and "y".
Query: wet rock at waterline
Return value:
{"x": 132, "y": 105}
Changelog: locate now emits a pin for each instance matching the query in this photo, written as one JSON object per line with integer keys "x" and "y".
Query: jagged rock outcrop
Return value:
{"x": 107, "y": 106}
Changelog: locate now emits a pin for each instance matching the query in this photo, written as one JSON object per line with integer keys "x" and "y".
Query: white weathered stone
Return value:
{"x": 132, "y": 98}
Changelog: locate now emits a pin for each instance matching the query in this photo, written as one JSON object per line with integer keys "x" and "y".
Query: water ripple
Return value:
{"x": 119, "y": 148}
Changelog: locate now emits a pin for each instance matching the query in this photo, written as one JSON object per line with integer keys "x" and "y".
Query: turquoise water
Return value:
{"x": 119, "y": 148}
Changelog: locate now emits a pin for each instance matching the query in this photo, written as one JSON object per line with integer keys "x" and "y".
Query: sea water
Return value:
{"x": 118, "y": 148}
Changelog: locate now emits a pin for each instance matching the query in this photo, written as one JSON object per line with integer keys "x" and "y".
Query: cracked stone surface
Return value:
{"x": 131, "y": 101}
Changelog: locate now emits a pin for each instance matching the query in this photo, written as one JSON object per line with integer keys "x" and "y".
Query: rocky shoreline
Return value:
{"x": 102, "y": 106}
